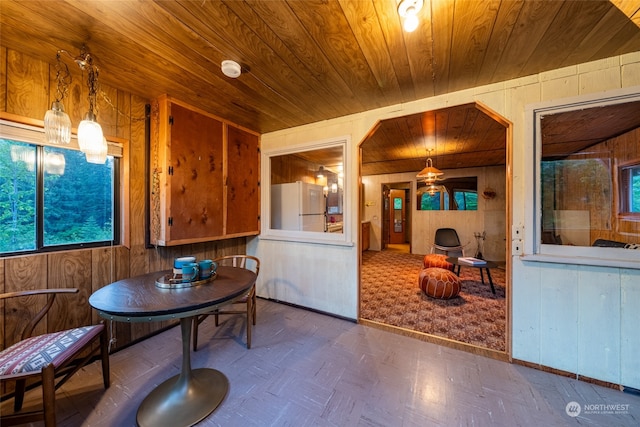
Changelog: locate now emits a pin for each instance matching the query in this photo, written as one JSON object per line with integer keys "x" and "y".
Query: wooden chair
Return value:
{"x": 248, "y": 301}
{"x": 45, "y": 357}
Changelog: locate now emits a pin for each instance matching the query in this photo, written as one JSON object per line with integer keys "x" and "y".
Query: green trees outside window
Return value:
{"x": 631, "y": 188}
{"x": 459, "y": 194}
{"x": 51, "y": 197}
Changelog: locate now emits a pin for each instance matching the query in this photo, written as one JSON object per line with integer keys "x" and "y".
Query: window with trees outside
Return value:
{"x": 51, "y": 198}
{"x": 629, "y": 178}
{"x": 463, "y": 191}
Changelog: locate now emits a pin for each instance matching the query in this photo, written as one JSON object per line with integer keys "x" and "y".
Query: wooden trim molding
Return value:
{"x": 569, "y": 374}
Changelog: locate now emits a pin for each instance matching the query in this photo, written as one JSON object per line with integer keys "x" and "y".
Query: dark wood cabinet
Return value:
{"x": 366, "y": 235}
{"x": 204, "y": 176}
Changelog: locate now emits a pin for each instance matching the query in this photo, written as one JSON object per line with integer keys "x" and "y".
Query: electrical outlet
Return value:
{"x": 517, "y": 232}
{"x": 516, "y": 247}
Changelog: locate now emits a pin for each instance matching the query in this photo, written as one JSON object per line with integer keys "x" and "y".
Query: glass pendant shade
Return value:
{"x": 90, "y": 137}
{"x": 57, "y": 125}
{"x": 99, "y": 155}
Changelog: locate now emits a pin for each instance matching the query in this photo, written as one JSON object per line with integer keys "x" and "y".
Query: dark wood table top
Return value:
{"x": 486, "y": 264}
{"x": 138, "y": 299}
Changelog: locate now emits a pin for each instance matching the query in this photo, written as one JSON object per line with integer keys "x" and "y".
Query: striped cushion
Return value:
{"x": 33, "y": 354}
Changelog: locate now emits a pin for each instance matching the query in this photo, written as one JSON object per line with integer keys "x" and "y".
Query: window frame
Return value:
{"x": 464, "y": 193}
{"x": 30, "y": 131}
{"x": 327, "y": 238}
{"x": 533, "y": 248}
{"x": 624, "y": 188}
{"x": 447, "y": 199}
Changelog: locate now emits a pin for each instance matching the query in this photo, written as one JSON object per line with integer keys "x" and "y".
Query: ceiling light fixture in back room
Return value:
{"x": 430, "y": 174}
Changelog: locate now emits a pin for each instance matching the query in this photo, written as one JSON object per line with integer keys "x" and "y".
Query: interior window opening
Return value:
{"x": 586, "y": 180}
{"x": 307, "y": 193}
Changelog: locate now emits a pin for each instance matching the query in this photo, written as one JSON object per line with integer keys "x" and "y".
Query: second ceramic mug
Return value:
{"x": 207, "y": 268}
{"x": 189, "y": 271}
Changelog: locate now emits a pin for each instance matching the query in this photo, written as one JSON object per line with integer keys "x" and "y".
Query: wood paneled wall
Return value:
{"x": 289, "y": 168}
{"x": 27, "y": 87}
{"x": 603, "y": 207}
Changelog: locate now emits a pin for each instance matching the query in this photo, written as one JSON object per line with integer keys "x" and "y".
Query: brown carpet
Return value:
{"x": 390, "y": 295}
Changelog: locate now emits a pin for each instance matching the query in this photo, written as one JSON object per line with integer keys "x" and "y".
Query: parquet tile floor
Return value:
{"x": 309, "y": 369}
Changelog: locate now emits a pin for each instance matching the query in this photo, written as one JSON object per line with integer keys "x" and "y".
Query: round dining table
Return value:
{"x": 187, "y": 398}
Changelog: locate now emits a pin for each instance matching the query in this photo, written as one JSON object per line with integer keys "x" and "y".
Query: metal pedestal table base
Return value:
{"x": 184, "y": 399}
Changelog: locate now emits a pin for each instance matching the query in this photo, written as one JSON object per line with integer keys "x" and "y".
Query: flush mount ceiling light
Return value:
{"x": 231, "y": 69}
{"x": 408, "y": 10}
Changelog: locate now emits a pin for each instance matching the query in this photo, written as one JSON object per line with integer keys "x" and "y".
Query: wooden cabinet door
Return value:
{"x": 205, "y": 176}
{"x": 195, "y": 203}
{"x": 243, "y": 178}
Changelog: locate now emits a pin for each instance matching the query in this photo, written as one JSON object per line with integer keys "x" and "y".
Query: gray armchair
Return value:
{"x": 447, "y": 242}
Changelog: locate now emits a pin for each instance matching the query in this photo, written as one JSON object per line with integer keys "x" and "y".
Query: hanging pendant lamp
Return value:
{"x": 90, "y": 136}
{"x": 57, "y": 124}
{"x": 429, "y": 173}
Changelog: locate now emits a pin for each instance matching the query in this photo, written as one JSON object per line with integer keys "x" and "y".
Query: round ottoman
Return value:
{"x": 439, "y": 283}
{"x": 436, "y": 260}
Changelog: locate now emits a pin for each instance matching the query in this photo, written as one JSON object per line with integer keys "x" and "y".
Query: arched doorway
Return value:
{"x": 467, "y": 141}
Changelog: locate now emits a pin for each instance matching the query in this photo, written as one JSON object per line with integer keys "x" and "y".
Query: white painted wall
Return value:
{"x": 575, "y": 318}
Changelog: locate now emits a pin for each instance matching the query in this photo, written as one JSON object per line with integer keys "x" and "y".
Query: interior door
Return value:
{"x": 397, "y": 217}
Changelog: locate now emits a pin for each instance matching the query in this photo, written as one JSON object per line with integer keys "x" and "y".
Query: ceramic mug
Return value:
{"x": 207, "y": 268}
{"x": 180, "y": 261}
{"x": 189, "y": 271}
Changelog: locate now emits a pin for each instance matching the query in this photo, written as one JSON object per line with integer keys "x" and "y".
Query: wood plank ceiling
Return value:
{"x": 308, "y": 61}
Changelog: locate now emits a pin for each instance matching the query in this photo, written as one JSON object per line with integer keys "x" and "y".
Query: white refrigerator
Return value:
{"x": 298, "y": 206}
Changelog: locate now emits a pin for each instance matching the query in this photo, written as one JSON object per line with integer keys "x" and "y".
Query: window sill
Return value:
{"x": 629, "y": 216}
{"x": 582, "y": 260}
{"x": 309, "y": 240}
